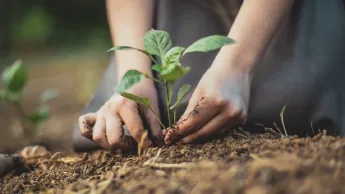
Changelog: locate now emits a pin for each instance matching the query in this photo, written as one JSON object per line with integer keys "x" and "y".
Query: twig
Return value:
{"x": 141, "y": 143}
{"x": 270, "y": 129}
{"x": 312, "y": 128}
{"x": 239, "y": 134}
{"x": 154, "y": 159}
{"x": 163, "y": 165}
{"x": 282, "y": 134}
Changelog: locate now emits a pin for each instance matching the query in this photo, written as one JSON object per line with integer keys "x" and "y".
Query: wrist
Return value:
{"x": 231, "y": 58}
{"x": 132, "y": 60}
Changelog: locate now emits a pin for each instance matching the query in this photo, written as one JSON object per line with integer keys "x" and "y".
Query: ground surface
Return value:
{"x": 234, "y": 164}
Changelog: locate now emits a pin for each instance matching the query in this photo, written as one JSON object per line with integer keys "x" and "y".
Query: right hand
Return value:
{"x": 108, "y": 121}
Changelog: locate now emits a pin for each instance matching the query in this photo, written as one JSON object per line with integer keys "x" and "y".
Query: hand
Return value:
{"x": 108, "y": 121}
{"x": 220, "y": 101}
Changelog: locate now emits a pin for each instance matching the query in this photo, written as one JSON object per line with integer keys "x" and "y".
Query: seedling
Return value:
{"x": 14, "y": 79}
{"x": 277, "y": 131}
{"x": 169, "y": 68}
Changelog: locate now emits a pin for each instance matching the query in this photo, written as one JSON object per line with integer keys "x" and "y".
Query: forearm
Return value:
{"x": 253, "y": 30}
{"x": 129, "y": 20}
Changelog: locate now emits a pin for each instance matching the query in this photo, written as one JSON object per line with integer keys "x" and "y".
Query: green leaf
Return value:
{"x": 209, "y": 43}
{"x": 47, "y": 95}
{"x": 13, "y": 96}
{"x": 131, "y": 48}
{"x": 157, "y": 42}
{"x": 135, "y": 98}
{"x": 174, "y": 72}
{"x": 173, "y": 56}
{"x": 157, "y": 67}
{"x": 130, "y": 78}
{"x": 38, "y": 116}
{"x": 180, "y": 95}
{"x": 15, "y": 77}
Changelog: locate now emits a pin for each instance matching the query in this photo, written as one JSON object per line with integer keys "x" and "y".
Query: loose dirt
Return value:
{"x": 259, "y": 163}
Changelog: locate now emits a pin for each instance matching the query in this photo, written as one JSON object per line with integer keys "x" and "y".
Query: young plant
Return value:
{"x": 14, "y": 79}
{"x": 169, "y": 68}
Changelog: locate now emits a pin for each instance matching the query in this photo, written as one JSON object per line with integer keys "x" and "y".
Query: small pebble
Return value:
{"x": 160, "y": 173}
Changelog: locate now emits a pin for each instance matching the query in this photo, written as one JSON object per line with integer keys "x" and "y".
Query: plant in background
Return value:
{"x": 169, "y": 68}
{"x": 14, "y": 79}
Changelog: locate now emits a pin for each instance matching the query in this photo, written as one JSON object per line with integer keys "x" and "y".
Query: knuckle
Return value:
{"x": 108, "y": 106}
{"x": 234, "y": 112}
{"x": 122, "y": 101}
{"x": 221, "y": 102}
{"x": 136, "y": 134}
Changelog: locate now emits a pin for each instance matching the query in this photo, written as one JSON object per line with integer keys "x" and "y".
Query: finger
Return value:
{"x": 213, "y": 127}
{"x": 115, "y": 133}
{"x": 99, "y": 133}
{"x": 130, "y": 115}
{"x": 202, "y": 113}
{"x": 193, "y": 102}
{"x": 154, "y": 127}
{"x": 164, "y": 132}
{"x": 225, "y": 130}
{"x": 86, "y": 123}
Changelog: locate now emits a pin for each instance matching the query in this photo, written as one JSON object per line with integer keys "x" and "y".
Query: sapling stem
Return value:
{"x": 166, "y": 87}
{"x": 157, "y": 117}
{"x": 22, "y": 116}
{"x": 174, "y": 115}
{"x": 153, "y": 79}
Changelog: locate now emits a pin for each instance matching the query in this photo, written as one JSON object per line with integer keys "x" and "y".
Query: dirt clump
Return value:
{"x": 260, "y": 163}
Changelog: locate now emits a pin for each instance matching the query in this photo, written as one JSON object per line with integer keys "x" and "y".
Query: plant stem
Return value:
{"x": 175, "y": 115}
{"x": 160, "y": 122}
{"x": 22, "y": 117}
{"x": 152, "y": 78}
{"x": 151, "y": 57}
{"x": 166, "y": 87}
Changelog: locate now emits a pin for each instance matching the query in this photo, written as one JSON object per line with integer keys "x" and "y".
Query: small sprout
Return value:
{"x": 47, "y": 95}
{"x": 14, "y": 78}
{"x": 158, "y": 43}
{"x": 282, "y": 119}
{"x": 277, "y": 131}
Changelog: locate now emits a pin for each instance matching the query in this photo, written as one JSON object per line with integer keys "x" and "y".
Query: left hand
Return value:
{"x": 219, "y": 102}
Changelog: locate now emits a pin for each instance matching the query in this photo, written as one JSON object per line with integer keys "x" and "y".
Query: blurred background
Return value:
{"x": 63, "y": 44}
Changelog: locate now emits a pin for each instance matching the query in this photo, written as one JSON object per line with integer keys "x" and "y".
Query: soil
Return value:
{"x": 237, "y": 163}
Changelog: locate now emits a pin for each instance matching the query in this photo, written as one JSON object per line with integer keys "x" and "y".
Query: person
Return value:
{"x": 286, "y": 53}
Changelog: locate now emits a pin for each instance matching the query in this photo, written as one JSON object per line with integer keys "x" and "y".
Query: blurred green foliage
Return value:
{"x": 14, "y": 79}
{"x": 36, "y": 26}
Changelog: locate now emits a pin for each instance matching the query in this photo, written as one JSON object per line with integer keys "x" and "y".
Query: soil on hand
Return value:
{"x": 260, "y": 163}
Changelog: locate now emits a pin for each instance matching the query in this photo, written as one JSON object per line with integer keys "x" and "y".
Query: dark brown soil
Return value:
{"x": 261, "y": 163}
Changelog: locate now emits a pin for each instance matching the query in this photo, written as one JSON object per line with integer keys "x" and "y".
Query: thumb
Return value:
{"x": 86, "y": 123}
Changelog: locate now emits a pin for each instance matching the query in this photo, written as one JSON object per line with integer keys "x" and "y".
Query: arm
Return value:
{"x": 253, "y": 30}
{"x": 129, "y": 20}
{"x": 221, "y": 99}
